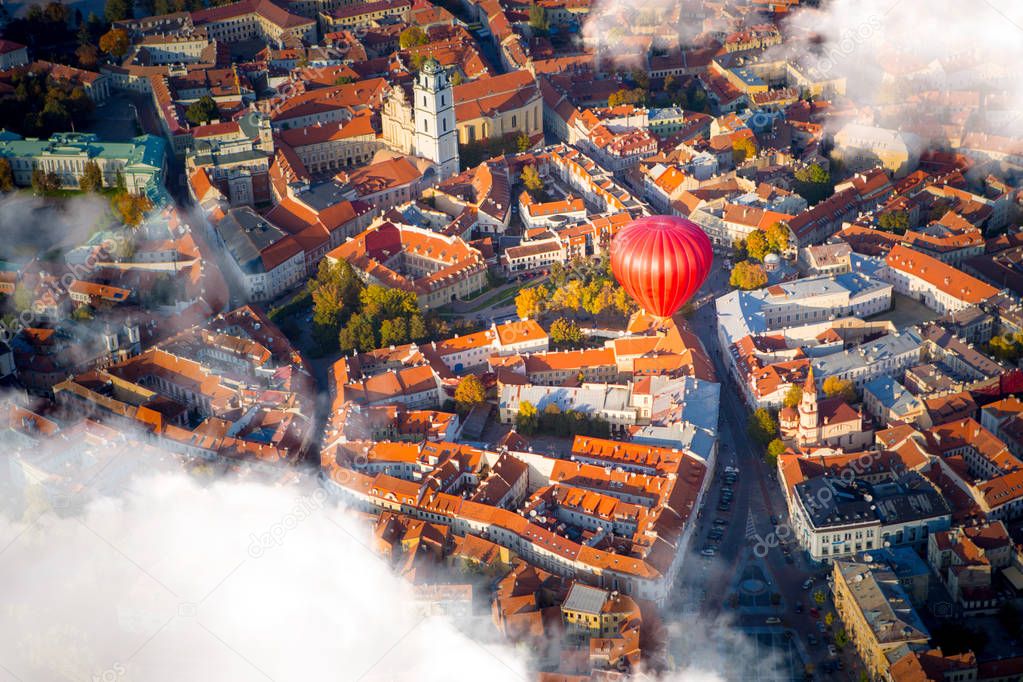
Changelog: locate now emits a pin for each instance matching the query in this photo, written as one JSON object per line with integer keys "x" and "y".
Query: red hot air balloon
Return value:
{"x": 661, "y": 261}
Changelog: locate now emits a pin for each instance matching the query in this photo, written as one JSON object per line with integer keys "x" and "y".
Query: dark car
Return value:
{"x": 799, "y": 607}
{"x": 774, "y": 520}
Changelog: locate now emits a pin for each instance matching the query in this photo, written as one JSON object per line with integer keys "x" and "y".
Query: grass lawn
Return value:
{"x": 500, "y": 298}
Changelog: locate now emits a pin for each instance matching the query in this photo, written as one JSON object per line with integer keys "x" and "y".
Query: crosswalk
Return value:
{"x": 751, "y": 526}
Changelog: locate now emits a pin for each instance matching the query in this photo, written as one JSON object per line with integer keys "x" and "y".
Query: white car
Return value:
{"x": 832, "y": 651}
{"x": 808, "y": 583}
{"x": 773, "y": 620}
{"x": 707, "y": 552}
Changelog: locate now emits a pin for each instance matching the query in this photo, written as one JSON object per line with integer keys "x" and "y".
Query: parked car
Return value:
{"x": 707, "y": 551}
{"x": 799, "y": 607}
{"x": 832, "y": 651}
{"x": 808, "y": 583}
{"x": 820, "y": 626}
{"x": 773, "y": 620}
{"x": 715, "y": 535}
{"x": 720, "y": 521}
{"x": 774, "y": 520}
{"x": 811, "y": 639}
{"x": 789, "y": 559}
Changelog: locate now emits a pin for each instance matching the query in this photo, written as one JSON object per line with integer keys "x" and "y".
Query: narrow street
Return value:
{"x": 751, "y": 550}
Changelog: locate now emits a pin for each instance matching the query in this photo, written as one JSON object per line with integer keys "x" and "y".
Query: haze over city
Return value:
{"x": 559, "y": 340}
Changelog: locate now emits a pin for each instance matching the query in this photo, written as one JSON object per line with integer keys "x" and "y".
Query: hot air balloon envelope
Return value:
{"x": 661, "y": 261}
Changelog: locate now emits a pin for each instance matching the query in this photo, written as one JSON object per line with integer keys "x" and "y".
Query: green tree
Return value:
{"x": 202, "y": 111}
{"x": 756, "y": 245}
{"x": 894, "y": 221}
{"x": 417, "y": 328}
{"x": 742, "y": 149}
{"x": 522, "y": 142}
{"x": 746, "y": 275}
{"x": 116, "y": 10}
{"x": 114, "y": 42}
{"x": 23, "y": 297}
{"x": 394, "y": 332}
{"x": 537, "y": 18}
{"x": 635, "y": 96}
{"x": 131, "y": 208}
{"x": 775, "y": 449}
{"x": 529, "y": 302}
{"x": 92, "y": 177}
{"x": 358, "y": 335}
{"x": 813, "y": 173}
{"x": 777, "y": 238}
{"x": 793, "y": 396}
{"x": 813, "y": 183}
{"x": 413, "y": 36}
{"x": 1004, "y": 347}
{"x": 88, "y": 56}
{"x": 833, "y": 386}
{"x": 44, "y": 182}
{"x": 457, "y": 78}
{"x": 565, "y": 332}
{"x": 343, "y": 80}
{"x": 762, "y": 426}
{"x": 531, "y": 179}
{"x": 469, "y": 393}
{"x": 6, "y": 175}
{"x": 526, "y": 420}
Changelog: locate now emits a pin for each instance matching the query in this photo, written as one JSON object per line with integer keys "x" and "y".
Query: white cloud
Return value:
{"x": 163, "y": 584}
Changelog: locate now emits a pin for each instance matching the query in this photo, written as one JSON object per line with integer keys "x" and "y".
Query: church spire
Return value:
{"x": 810, "y": 386}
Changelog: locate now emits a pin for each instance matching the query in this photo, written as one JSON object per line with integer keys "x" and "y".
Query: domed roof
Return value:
{"x": 772, "y": 259}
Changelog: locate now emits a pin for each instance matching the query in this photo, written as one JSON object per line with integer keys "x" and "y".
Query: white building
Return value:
{"x": 436, "y": 133}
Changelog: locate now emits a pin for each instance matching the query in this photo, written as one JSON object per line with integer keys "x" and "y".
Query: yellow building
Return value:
{"x": 595, "y": 612}
{"x": 877, "y": 614}
{"x": 486, "y": 108}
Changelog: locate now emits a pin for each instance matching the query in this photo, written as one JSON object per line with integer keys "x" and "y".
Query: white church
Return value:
{"x": 427, "y": 127}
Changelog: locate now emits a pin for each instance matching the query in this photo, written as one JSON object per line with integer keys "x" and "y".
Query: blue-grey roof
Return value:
{"x": 893, "y": 395}
{"x": 584, "y": 598}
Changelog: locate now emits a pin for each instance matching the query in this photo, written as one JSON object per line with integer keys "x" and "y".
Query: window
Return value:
{"x": 514, "y": 121}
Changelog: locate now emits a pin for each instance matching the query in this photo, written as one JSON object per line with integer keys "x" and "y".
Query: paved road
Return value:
{"x": 708, "y": 584}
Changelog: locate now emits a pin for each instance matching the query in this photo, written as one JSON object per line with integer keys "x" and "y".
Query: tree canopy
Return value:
{"x": 413, "y": 36}
{"x": 793, "y": 396}
{"x": 762, "y": 426}
{"x": 469, "y": 393}
{"x": 114, "y": 42}
{"x": 202, "y": 111}
{"x": 565, "y": 332}
{"x": 746, "y": 275}
{"x": 833, "y": 386}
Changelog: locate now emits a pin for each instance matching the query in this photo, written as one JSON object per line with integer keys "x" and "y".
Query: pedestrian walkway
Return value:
{"x": 751, "y": 526}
